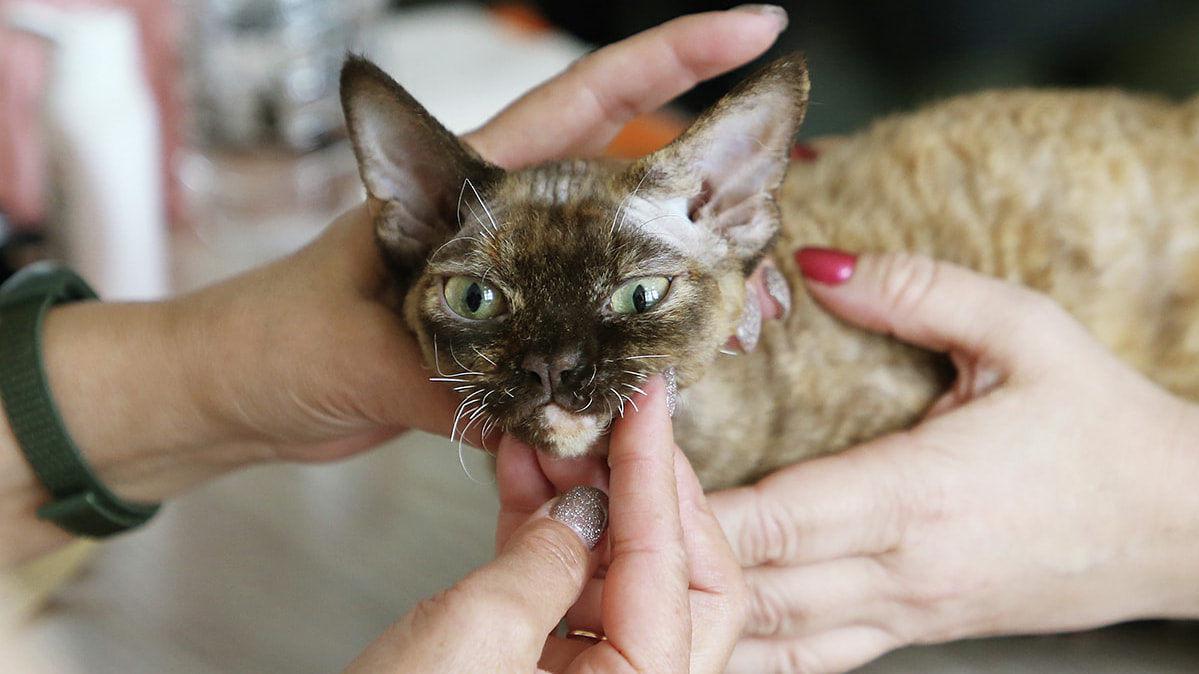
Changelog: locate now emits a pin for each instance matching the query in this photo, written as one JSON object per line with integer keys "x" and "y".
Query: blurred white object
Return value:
{"x": 103, "y": 139}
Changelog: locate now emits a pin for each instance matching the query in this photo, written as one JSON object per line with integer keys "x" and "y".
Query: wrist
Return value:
{"x": 132, "y": 392}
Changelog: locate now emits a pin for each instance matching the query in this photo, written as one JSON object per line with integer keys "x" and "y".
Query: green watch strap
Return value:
{"x": 81, "y": 503}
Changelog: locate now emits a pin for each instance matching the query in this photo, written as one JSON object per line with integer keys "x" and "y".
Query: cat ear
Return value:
{"x": 416, "y": 172}
{"x": 730, "y": 162}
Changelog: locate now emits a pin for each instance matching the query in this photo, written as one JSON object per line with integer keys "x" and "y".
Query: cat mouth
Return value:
{"x": 556, "y": 431}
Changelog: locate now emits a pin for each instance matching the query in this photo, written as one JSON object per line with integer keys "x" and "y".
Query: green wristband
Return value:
{"x": 81, "y": 504}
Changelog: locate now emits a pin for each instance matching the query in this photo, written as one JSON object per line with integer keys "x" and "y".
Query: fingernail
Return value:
{"x": 585, "y": 511}
{"x": 825, "y": 265}
{"x": 778, "y": 289}
{"x": 804, "y": 152}
{"x": 750, "y": 326}
{"x": 672, "y": 390}
{"x": 777, "y": 12}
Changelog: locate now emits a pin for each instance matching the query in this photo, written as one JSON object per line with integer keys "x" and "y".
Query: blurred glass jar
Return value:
{"x": 267, "y": 163}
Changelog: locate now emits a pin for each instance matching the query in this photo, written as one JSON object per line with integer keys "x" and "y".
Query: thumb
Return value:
{"x": 498, "y": 617}
{"x": 937, "y": 305}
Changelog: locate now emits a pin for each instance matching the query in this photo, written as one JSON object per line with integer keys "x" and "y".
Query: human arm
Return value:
{"x": 1052, "y": 489}
{"x": 300, "y": 359}
{"x": 664, "y": 586}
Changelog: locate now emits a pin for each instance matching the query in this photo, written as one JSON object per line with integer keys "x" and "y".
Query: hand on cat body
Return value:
{"x": 673, "y": 600}
{"x": 1051, "y": 489}
{"x": 302, "y": 359}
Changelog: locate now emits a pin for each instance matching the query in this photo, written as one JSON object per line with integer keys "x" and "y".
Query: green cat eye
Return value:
{"x": 638, "y": 295}
{"x": 474, "y": 299}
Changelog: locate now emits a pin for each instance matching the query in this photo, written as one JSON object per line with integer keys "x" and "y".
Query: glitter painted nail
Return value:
{"x": 585, "y": 511}
{"x": 778, "y": 289}
{"x": 672, "y": 390}
{"x": 750, "y": 327}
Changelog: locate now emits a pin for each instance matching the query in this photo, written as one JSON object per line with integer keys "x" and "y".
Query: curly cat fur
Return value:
{"x": 1091, "y": 197}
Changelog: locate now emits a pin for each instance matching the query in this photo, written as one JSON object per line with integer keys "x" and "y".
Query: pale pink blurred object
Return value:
{"x": 24, "y": 67}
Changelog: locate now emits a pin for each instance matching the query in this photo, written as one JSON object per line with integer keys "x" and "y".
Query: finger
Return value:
{"x": 794, "y": 601}
{"x": 831, "y": 652}
{"x": 718, "y": 603}
{"x": 606, "y": 89}
{"x": 497, "y": 618}
{"x": 540, "y": 571}
{"x": 852, "y": 505}
{"x": 646, "y": 610}
{"x": 939, "y": 306}
{"x": 768, "y": 287}
{"x": 523, "y": 489}
{"x": 590, "y": 470}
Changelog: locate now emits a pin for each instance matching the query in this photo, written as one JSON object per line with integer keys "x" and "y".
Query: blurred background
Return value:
{"x": 157, "y": 146}
{"x": 250, "y": 146}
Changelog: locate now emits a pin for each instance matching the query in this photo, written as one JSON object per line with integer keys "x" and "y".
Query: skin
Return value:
{"x": 313, "y": 367}
{"x": 671, "y": 590}
{"x": 1050, "y": 490}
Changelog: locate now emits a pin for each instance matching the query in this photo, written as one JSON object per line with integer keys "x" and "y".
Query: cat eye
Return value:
{"x": 473, "y": 298}
{"x": 638, "y": 295}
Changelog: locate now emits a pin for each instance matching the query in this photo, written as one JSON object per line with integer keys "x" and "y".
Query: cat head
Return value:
{"x": 546, "y": 295}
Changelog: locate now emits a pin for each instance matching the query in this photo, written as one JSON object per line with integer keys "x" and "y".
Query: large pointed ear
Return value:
{"x": 730, "y": 162}
{"x": 414, "y": 169}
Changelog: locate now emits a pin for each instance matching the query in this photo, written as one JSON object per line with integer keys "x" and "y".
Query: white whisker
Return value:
{"x": 617, "y": 215}
{"x": 480, "y": 354}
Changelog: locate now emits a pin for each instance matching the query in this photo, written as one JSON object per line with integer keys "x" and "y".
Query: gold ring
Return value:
{"x": 586, "y": 634}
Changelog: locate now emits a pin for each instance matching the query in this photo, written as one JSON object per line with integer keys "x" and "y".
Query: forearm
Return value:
{"x": 134, "y": 388}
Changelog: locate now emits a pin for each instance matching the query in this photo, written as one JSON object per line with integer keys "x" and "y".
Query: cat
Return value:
{"x": 546, "y": 295}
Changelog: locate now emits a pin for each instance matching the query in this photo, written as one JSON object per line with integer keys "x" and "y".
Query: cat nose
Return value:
{"x": 550, "y": 370}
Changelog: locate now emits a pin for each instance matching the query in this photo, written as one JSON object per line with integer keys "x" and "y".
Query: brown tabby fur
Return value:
{"x": 1091, "y": 197}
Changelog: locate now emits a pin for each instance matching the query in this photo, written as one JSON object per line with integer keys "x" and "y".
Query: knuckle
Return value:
{"x": 559, "y": 553}
{"x": 769, "y": 533}
{"x": 907, "y": 280}
{"x": 767, "y": 612}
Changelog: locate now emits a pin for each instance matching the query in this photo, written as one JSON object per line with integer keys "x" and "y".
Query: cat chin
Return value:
{"x": 566, "y": 434}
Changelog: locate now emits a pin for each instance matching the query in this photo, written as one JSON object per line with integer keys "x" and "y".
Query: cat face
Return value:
{"x": 547, "y": 295}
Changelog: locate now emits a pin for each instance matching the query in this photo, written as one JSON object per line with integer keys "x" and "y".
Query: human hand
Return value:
{"x": 1051, "y": 489}
{"x": 669, "y": 597}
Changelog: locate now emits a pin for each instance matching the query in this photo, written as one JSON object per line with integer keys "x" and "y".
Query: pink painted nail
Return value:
{"x": 826, "y": 265}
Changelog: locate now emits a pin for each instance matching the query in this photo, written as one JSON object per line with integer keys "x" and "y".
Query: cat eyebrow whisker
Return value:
{"x": 495, "y": 228}
{"x": 456, "y": 238}
{"x": 625, "y": 202}
{"x": 657, "y": 355}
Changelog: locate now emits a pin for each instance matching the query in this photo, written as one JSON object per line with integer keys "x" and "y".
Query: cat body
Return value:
{"x": 546, "y": 295}
{"x": 1090, "y": 197}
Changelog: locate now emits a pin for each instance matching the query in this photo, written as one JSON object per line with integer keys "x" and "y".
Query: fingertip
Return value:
{"x": 776, "y": 13}
{"x": 585, "y": 511}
